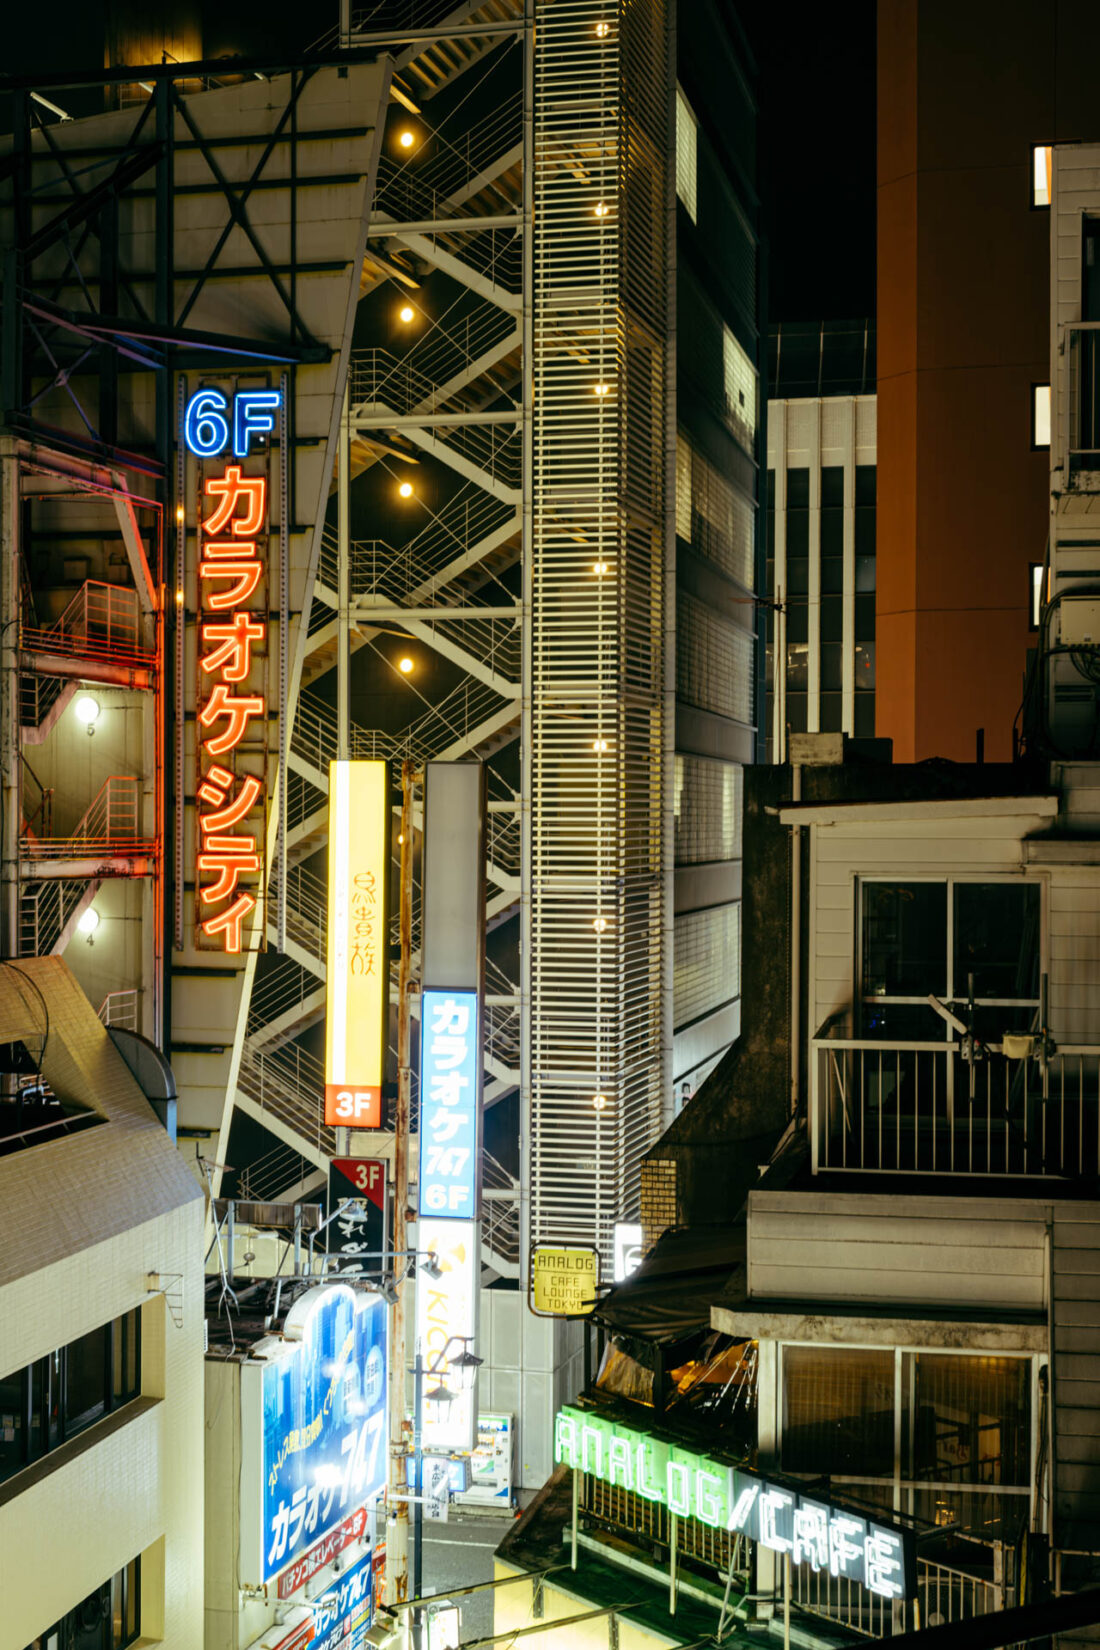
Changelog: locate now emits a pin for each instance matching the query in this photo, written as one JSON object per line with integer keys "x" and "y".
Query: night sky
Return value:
{"x": 816, "y": 155}
{"x": 816, "y": 138}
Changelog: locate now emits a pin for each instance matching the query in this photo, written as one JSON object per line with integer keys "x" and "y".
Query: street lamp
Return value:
{"x": 465, "y": 1366}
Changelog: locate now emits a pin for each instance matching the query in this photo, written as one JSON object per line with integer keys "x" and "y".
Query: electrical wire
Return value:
{"x": 45, "y": 1010}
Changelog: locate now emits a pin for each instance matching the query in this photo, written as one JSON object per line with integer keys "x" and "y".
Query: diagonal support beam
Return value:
{"x": 424, "y": 246}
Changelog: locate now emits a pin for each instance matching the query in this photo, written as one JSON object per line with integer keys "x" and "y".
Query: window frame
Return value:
{"x": 948, "y": 881}
{"x": 905, "y": 1487}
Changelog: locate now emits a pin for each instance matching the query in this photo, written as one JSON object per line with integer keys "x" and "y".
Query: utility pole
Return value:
{"x": 397, "y": 1520}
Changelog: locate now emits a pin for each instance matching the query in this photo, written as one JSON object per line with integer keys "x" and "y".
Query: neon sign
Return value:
{"x": 777, "y": 1516}
{"x": 232, "y": 658}
{"x": 448, "y": 1113}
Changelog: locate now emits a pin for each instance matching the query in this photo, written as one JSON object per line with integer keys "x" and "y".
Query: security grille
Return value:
{"x": 596, "y": 947}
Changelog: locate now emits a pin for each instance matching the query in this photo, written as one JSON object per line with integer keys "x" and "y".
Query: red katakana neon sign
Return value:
{"x": 232, "y": 714}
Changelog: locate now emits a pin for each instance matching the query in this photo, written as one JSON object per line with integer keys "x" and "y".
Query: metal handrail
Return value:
{"x": 110, "y": 823}
{"x": 120, "y": 1008}
{"x": 103, "y": 621}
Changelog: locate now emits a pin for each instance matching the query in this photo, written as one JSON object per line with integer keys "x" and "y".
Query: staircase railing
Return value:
{"x": 121, "y": 1008}
{"x": 277, "y": 1171}
{"x": 289, "y": 1082}
{"x": 111, "y": 823}
{"x": 396, "y": 573}
{"x": 103, "y": 621}
{"x": 461, "y": 713}
{"x": 45, "y": 911}
{"x": 440, "y": 358}
{"x": 424, "y": 186}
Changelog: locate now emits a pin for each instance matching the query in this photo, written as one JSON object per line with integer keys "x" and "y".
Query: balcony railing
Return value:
{"x": 111, "y": 825}
{"x": 921, "y": 1108}
{"x": 1083, "y": 435}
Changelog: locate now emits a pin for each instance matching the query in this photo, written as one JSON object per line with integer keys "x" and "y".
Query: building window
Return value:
{"x": 58, "y": 1396}
{"x": 739, "y": 389}
{"x": 1041, "y": 165}
{"x": 687, "y": 139}
{"x": 941, "y": 1437}
{"x": 938, "y": 937}
{"x": 1035, "y": 611}
{"x": 108, "y": 1619}
{"x": 1040, "y": 415}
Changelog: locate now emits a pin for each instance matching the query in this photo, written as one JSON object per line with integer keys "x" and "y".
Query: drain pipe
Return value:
{"x": 796, "y": 946}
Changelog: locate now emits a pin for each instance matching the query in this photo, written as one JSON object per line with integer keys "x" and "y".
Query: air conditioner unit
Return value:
{"x": 1080, "y": 621}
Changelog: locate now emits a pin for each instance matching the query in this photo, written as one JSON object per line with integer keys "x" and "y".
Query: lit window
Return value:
{"x": 686, "y": 138}
{"x": 1036, "y": 594}
{"x": 1040, "y": 415}
{"x": 739, "y": 377}
{"x": 1040, "y": 174}
{"x": 683, "y": 489}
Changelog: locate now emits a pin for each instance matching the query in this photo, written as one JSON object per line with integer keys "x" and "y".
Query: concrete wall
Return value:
{"x": 532, "y": 1367}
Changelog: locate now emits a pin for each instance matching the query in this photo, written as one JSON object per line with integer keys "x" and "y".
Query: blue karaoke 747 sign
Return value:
{"x": 450, "y": 1060}
{"x": 313, "y": 1426}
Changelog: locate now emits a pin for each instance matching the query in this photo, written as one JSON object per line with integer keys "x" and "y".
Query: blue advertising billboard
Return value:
{"x": 343, "y": 1612}
{"x": 313, "y": 1426}
{"x": 450, "y": 1071}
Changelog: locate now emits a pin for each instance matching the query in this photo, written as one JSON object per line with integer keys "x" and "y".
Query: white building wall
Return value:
{"x": 92, "y": 1226}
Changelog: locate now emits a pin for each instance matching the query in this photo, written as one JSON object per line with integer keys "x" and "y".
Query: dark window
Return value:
{"x": 56, "y": 1397}
{"x": 798, "y": 489}
{"x": 86, "y": 1387}
{"x": 798, "y": 621}
{"x": 797, "y": 667}
{"x": 798, "y": 576}
{"x": 832, "y": 665}
{"x": 796, "y": 712}
{"x": 798, "y": 533}
{"x": 13, "y": 1422}
{"x": 904, "y": 939}
{"x": 832, "y": 575}
{"x": 838, "y": 1412}
{"x": 832, "y": 485}
{"x": 108, "y": 1619}
{"x": 997, "y": 939}
{"x": 832, "y": 532}
{"x": 865, "y": 484}
{"x": 865, "y": 716}
{"x": 865, "y": 530}
{"x": 865, "y": 573}
{"x": 831, "y": 710}
{"x": 832, "y": 619}
{"x": 865, "y": 618}
{"x": 865, "y": 667}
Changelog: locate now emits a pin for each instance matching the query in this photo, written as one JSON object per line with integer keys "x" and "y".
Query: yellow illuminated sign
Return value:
{"x": 355, "y": 1031}
{"x": 563, "y": 1281}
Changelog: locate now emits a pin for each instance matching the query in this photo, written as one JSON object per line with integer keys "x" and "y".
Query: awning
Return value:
{"x": 670, "y": 1295}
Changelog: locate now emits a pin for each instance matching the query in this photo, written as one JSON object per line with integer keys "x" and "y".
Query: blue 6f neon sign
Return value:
{"x": 208, "y": 423}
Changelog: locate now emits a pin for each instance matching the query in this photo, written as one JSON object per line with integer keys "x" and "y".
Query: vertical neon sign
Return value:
{"x": 232, "y": 657}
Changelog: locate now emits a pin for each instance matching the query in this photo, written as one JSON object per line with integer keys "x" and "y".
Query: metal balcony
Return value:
{"x": 920, "y": 1108}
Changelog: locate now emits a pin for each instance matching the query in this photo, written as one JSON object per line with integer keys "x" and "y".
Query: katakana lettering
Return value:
{"x": 215, "y": 789}
{"x": 228, "y": 922}
{"x": 237, "y": 710}
{"x": 231, "y": 488}
{"x": 246, "y": 573}
{"x": 233, "y": 657}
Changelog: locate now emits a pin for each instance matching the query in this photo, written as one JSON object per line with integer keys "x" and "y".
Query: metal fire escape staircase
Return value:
{"x": 450, "y": 398}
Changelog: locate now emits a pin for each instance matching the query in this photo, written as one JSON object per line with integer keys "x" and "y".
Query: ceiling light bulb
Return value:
{"x": 406, "y": 313}
{"x": 599, "y": 567}
{"x": 602, "y": 389}
{"x": 602, "y": 30}
{"x": 406, "y": 140}
{"x": 404, "y": 665}
{"x": 599, "y": 745}
{"x": 599, "y": 924}
{"x": 406, "y": 489}
{"x": 86, "y": 709}
{"x": 599, "y": 1101}
{"x": 602, "y": 209}
{"x": 89, "y": 920}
